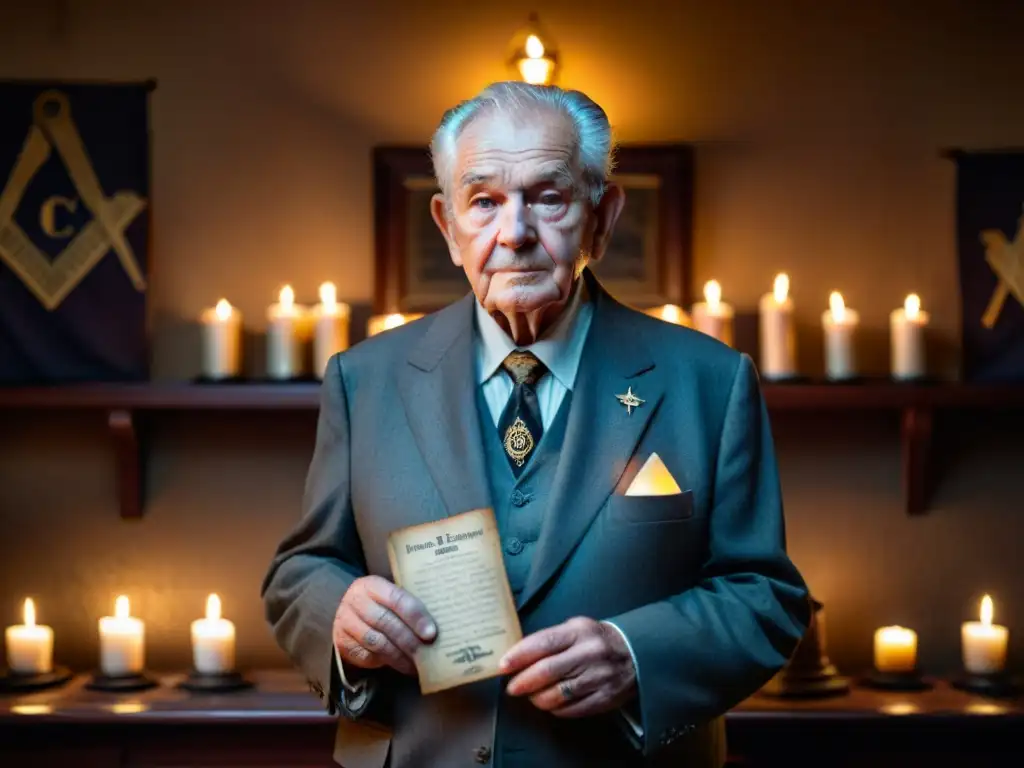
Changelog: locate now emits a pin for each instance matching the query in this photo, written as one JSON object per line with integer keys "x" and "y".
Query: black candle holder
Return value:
{"x": 121, "y": 683}
{"x": 896, "y": 681}
{"x": 225, "y": 682}
{"x": 998, "y": 685}
{"x": 20, "y": 682}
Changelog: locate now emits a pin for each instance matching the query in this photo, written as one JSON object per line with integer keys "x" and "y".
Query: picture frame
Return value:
{"x": 648, "y": 262}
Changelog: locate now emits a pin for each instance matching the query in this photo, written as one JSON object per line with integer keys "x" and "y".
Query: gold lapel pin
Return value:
{"x": 630, "y": 400}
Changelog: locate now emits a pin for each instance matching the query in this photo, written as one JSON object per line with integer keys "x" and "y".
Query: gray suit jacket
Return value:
{"x": 700, "y": 582}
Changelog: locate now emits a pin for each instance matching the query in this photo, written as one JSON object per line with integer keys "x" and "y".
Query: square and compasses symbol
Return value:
{"x": 51, "y": 281}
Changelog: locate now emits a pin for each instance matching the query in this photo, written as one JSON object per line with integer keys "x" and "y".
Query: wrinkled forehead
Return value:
{"x": 517, "y": 150}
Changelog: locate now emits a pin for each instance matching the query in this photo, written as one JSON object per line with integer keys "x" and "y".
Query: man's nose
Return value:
{"x": 515, "y": 225}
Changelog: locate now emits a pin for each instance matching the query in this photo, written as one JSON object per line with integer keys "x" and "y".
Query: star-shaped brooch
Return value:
{"x": 630, "y": 400}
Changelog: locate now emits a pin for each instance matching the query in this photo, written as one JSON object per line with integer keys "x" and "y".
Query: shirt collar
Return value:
{"x": 560, "y": 348}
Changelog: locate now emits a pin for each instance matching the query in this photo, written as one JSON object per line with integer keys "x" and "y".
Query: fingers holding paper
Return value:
{"x": 379, "y": 624}
{"x": 576, "y": 669}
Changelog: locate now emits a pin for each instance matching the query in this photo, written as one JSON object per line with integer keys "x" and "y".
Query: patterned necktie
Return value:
{"x": 520, "y": 427}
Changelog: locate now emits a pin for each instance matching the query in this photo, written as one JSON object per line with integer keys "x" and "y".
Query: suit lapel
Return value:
{"x": 601, "y": 435}
{"x": 438, "y": 390}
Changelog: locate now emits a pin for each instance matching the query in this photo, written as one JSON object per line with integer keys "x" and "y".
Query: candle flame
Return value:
{"x": 837, "y": 306}
{"x": 712, "y": 293}
{"x": 223, "y": 309}
{"x": 781, "y": 287}
{"x": 328, "y": 297}
{"x": 286, "y": 298}
{"x": 393, "y": 321}
{"x": 912, "y": 306}
{"x": 986, "y": 611}
{"x": 534, "y": 47}
{"x": 670, "y": 313}
{"x": 29, "y": 612}
{"x": 213, "y": 607}
{"x": 122, "y": 609}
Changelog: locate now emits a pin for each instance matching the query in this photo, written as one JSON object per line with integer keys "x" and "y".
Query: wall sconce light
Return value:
{"x": 533, "y": 57}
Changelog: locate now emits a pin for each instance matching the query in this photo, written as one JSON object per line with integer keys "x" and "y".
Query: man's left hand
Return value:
{"x": 576, "y": 669}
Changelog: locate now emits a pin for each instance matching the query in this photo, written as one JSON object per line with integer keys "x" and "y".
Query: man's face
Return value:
{"x": 520, "y": 223}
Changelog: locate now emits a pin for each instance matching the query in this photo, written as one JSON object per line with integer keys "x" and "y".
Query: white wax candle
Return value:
{"x": 895, "y": 649}
{"x": 713, "y": 316}
{"x": 29, "y": 645}
{"x": 984, "y": 643}
{"x": 221, "y": 341}
{"x": 379, "y": 323}
{"x": 907, "y": 330}
{"x": 671, "y": 313}
{"x": 213, "y": 641}
{"x": 330, "y": 330}
{"x": 122, "y": 641}
{"x": 777, "y": 331}
{"x": 286, "y": 333}
{"x": 840, "y": 324}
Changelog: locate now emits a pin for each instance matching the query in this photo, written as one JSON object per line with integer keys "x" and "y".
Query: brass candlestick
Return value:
{"x": 809, "y": 674}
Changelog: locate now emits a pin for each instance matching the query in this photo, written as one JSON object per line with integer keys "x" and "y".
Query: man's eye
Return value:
{"x": 550, "y": 198}
{"x": 484, "y": 203}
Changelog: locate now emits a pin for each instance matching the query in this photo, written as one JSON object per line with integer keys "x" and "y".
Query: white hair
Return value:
{"x": 594, "y": 146}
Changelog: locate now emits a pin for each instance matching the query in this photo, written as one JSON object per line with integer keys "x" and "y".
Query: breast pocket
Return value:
{"x": 651, "y": 509}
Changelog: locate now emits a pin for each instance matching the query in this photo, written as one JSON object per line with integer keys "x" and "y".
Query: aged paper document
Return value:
{"x": 456, "y": 568}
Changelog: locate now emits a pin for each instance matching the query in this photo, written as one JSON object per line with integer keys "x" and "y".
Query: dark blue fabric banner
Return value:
{"x": 74, "y": 232}
{"x": 990, "y": 235}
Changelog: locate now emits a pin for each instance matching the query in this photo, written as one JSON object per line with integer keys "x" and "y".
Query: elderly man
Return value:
{"x": 645, "y": 618}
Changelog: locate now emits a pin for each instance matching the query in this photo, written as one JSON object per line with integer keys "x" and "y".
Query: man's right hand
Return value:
{"x": 379, "y": 624}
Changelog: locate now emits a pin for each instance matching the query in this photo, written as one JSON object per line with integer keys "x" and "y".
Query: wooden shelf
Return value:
{"x": 127, "y": 405}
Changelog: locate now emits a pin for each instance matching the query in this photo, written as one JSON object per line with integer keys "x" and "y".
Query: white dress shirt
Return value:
{"x": 560, "y": 349}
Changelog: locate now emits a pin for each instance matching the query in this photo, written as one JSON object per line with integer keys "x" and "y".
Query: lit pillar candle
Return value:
{"x": 671, "y": 313}
{"x": 330, "y": 329}
{"x": 777, "y": 332}
{"x": 285, "y": 337}
{"x": 840, "y": 325}
{"x": 221, "y": 341}
{"x": 984, "y": 643}
{"x": 907, "y": 328}
{"x": 29, "y": 645}
{"x": 213, "y": 641}
{"x": 122, "y": 641}
{"x": 895, "y": 649}
{"x": 713, "y": 316}
{"x": 380, "y": 323}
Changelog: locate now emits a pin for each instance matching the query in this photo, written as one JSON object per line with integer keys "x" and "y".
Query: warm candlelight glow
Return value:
{"x": 329, "y": 297}
{"x": 912, "y": 306}
{"x": 286, "y": 298}
{"x": 895, "y": 649}
{"x": 122, "y": 609}
{"x": 670, "y": 313}
{"x": 836, "y": 306}
{"x": 534, "y": 47}
{"x": 223, "y": 310}
{"x": 712, "y": 294}
{"x": 393, "y": 321}
{"x": 781, "y": 288}
{"x": 986, "y": 611}
{"x": 29, "y": 612}
{"x": 213, "y": 607}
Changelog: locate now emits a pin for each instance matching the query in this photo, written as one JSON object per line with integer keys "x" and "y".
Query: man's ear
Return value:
{"x": 605, "y": 217}
{"x": 439, "y": 212}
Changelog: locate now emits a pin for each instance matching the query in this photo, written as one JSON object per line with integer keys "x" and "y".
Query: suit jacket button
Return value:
{"x": 482, "y": 755}
{"x": 519, "y": 498}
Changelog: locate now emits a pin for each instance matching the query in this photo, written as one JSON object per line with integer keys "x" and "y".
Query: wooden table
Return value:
{"x": 281, "y": 724}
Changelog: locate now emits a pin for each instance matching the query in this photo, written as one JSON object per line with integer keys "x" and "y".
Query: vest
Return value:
{"x": 520, "y": 503}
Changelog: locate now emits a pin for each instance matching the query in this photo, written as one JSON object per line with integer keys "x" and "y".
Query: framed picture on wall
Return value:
{"x": 647, "y": 263}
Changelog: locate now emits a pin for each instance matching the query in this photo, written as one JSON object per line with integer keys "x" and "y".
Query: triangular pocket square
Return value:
{"x": 654, "y": 479}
